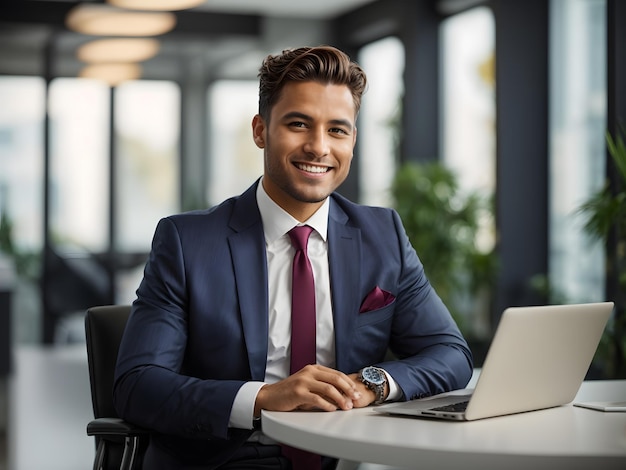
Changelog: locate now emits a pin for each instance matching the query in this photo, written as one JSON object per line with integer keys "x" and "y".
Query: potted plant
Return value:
{"x": 605, "y": 214}
{"x": 442, "y": 225}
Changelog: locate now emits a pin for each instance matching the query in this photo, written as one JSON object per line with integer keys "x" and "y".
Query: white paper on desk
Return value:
{"x": 618, "y": 406}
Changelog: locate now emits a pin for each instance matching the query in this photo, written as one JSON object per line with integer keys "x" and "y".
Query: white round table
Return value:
{"x": 566, "y": 437}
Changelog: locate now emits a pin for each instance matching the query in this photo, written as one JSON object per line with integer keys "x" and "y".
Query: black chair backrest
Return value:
{"x": 104, "y": 327}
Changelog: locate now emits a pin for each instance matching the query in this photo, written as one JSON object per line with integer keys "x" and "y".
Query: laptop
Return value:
{"x": 538, "y": 359}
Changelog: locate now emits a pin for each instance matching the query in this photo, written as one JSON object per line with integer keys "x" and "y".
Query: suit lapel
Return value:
{"x": 247, "y": 247}
{"x": 344, "y": 259}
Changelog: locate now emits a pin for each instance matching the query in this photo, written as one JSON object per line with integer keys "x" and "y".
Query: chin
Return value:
{"x": 312, "y": 198}
{"x": 310, "y": 194}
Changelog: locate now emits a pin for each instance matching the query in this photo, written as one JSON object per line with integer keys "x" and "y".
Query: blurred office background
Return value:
{"x": 513, "y": 96}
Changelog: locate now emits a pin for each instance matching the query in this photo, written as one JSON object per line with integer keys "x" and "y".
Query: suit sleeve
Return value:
{"x": 433, "y": 355}
{"x": 151, "y": 389}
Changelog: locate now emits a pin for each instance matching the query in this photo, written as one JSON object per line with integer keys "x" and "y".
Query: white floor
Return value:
{"x": 49, "y": 407}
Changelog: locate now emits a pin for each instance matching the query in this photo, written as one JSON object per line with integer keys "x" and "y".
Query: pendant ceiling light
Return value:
{"x": 112, "y": 74}
{"x": 163, "y": 5}
{"x": 105, "y": 20}
{"x": 118, "y": 50}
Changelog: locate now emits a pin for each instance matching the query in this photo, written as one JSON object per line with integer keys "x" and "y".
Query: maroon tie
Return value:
{"x": 302, "y": 329}
{"x": 302, "y": 302}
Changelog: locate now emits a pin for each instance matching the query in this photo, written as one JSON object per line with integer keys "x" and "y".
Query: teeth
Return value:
{"x": 312, "y": 168}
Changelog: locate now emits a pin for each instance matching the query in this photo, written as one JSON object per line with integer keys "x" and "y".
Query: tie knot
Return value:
{"x": 300, "y": 236}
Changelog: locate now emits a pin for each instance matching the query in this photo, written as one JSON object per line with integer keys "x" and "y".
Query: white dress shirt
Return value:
{"x": 280, "y": 253}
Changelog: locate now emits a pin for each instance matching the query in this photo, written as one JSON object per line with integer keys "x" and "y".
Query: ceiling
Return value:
{"x": 321, "y": 9}
{"x": 224, "y": 38}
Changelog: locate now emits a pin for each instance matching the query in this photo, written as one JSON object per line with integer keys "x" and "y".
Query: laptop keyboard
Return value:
{"x": 454, "y": 407}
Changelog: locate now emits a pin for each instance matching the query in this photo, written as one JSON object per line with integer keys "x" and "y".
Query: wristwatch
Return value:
{"x": 375, "y": 379}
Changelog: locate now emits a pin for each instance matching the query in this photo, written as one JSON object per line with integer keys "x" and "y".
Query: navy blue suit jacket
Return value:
{"x": 199, "y": 326}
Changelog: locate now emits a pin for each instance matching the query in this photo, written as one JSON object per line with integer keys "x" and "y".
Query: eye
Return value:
{"x": 338, "y": 130}
{"x": 299, "y": 124}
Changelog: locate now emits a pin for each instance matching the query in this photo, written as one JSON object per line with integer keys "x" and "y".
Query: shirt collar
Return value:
{"x": 277, "y": 222}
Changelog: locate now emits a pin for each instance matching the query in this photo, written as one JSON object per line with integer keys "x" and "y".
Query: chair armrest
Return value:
{"x": 114, "y": 427}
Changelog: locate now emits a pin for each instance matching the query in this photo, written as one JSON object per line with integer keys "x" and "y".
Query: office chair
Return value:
{"x": 119, "y": 444}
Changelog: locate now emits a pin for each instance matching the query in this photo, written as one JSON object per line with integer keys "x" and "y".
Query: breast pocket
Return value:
{"x": 376, "y": 316}
{"x": 372, "y": 334}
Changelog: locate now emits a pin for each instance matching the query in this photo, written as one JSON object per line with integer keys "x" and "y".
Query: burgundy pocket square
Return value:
{"x": 376, "y": 299}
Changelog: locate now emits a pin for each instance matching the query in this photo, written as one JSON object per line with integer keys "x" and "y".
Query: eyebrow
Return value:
{"x": 305, "y": 117}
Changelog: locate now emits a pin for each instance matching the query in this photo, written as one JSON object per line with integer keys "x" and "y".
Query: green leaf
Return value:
{"x": 617, "y": 150}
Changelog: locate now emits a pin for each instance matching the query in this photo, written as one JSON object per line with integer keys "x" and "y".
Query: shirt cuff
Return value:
{"x": 242, "y": 412}
{"x": 394, "y": 390}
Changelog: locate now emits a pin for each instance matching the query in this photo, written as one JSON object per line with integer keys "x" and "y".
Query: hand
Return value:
{"x": 314, "y": 387}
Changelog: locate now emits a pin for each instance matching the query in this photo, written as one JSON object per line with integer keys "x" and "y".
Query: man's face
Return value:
{"x": 307, "y": 144}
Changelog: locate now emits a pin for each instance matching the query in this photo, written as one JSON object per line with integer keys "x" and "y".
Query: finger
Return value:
{"x": 318, "y": 387}
{"x": 318, "y": 403}
{"x": 333, "y": 386}
{"x": 332, "y": 395}
{"x": 343, "y": 383}
{"x": 299, "y": 391}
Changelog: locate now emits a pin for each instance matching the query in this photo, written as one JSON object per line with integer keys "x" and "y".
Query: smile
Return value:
{"x": 312, "y": 168}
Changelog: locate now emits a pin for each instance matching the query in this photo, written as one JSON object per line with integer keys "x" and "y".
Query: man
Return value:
{"x": 207, "y": 346}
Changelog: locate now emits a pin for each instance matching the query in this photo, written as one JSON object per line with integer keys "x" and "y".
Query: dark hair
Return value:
{"x": 323, "y": 64}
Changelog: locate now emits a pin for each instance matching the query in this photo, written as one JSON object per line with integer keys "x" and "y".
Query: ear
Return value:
{"x": 258, "y": 131}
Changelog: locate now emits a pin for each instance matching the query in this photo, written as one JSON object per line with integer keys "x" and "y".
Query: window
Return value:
{"x": 468, "y": 101}
{"x": 147, "y": 171}
{"x": 383, "y": 61}
{"x": 577, "y": 145}
{"x": 21, "y": 158}
{"x": 469, "y": 130}
{"x": 236, "y": 162}
{"x": 21, "y": 195}
{"x": 146, "y": 117}
{"x": 79, "y": 168}
{"x": 147, "y": 136}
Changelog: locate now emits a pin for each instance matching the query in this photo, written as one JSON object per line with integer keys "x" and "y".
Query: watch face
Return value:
{"x": 373, "y": 375}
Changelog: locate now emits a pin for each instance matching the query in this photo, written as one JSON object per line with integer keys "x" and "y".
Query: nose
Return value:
{"x": 317, "y": 143}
